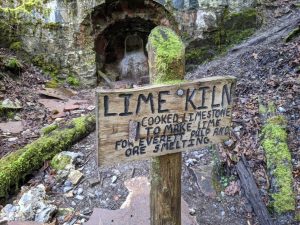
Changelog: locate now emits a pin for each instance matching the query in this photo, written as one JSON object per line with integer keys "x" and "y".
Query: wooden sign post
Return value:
{"x": 162, "y": 120}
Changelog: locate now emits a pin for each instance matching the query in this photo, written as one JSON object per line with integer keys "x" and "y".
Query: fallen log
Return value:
{"x": 278, "y": 158}
{"x": 252, "y": 193}
{"x": 17, "y": 165}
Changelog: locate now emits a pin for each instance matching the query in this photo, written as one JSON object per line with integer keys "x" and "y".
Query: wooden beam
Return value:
{"x": 252, "y": 193}
{"x": 166, "y": 54}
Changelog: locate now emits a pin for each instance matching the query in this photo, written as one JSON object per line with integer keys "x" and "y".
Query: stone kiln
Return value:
{"x": 81, "y": 37}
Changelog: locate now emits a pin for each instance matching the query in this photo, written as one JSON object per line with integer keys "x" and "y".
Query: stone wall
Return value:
{"x": 68, "y": 35}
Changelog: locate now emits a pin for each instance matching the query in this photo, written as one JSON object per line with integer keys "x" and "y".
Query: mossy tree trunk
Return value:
{"x": 15, "y": 166}
{"x": 166, "y": 65}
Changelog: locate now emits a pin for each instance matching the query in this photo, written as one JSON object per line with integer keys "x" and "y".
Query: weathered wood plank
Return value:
{"x": 167, "y": 119}
{"x": 252, "y": 193}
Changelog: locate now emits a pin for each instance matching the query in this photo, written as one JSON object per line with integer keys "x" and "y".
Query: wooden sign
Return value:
{"x": 135, "y": 124}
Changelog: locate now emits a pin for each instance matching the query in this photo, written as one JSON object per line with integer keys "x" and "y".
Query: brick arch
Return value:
{"x": 106, "y": 26}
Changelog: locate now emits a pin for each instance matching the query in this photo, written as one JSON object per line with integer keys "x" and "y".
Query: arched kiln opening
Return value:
{"x": 121, "y": 30}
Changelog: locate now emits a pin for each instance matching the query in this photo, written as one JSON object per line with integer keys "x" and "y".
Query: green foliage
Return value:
{"x": 297, "y": 216}
{"x": 279, "y": 162}
{"x": 15, "y": 166}
{"x": 25, "y": 7}
{"x": 14, "y": 65}
{"x": 15, "y": 46}
{"x": 52, "y": 26}
{"x": 53, "y": 83}
{"x": 73, "y": 81}
{"x": 293, "y": 34}
{"x": 10, "y": 115}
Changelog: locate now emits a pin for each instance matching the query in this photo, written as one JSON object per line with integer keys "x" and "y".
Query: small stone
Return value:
{"x": 192, "y": 211}
{"x": 12, "y": 139}
{"x": 79, "y": 197}
{"x": 114, "y": 179}
{"x": 73, "y": 203}
{"x": 91, "y": 108}
{"x": 69, "y": 194}
{"x": 68, "y": 183}
{"x": 8, "y": 208}
{"x": 17, "y": 118}
{"x": 93, "y": 182}
{"x": 222, "y": 213}
{"x": 44, "y": 215}
{"x": 191, "y": 162}
{"x": 80, "y": 191}
{"x": 75, "y": 176}
{"x": 229, "y": 143}
{"x": 281, "y": 109}
{"x": 237, "y": 129}
{"x": 91, "y": 195}
{"x": 65, "y": 211}
{"x": 67, "y": 189}
{"x": 9, "y": 104}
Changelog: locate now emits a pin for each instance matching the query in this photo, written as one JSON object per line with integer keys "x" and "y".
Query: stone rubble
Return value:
{"x": 32, "y": 206}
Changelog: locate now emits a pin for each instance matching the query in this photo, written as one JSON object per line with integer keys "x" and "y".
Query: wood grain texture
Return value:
{"x": 252, "y": 193}
{"x": 175, "y": 118}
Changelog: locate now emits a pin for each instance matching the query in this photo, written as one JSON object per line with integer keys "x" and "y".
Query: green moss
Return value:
{"x": 48, "y": 68}
{"x": 297, "y": 216}
{"x": 11, "y": 115}
{"x": 169, "y": 54}
{"x": 16, "y": 46}
{"x": 53, "y": 83}
{"x": 73, "y": 81}
{"x": 59, "y": 162}
{"x": 52, "y": 26}
{"x": 48, "y": 129}
{"x": 13, "y": 63}
{"x": 279, "y": 162}
{"x": 295, "y": 33}
{"x": 233, "y": 28}
{"x": 26, "y": 7}
{"x": 262, "y": 109}
{"x": 15, "y": 166}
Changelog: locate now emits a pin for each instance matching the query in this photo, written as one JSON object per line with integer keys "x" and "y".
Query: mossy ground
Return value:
{"x": 279, "y": 163}
{"x": 17, "y": 165}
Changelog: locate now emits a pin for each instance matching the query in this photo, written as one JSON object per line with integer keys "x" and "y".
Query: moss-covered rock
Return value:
{"x": 60, "y": 161}
{"x": 279, "y": 164}
{"x": 166, "y": 55}
{"x": 15, "y": 166}
{"x": 233, "y": 28}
